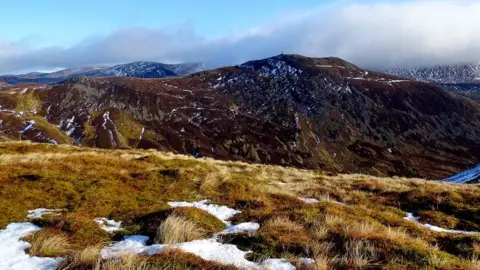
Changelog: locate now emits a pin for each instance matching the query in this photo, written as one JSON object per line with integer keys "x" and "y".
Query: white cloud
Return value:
{"x": 413, "y": 33}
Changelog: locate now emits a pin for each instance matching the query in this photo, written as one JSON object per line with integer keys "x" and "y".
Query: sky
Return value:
{"x": 52, "y": 34}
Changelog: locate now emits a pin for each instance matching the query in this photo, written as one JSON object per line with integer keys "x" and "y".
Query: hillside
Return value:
{"x": 84, "y": 208}
{"x": 135, "y": 69}
{"x": 3, "y": 83}
{"x": 286, "y": 110}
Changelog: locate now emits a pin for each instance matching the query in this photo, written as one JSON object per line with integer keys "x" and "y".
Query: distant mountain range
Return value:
{"x": 447, "y": 74}
{"x": 135, "y": 69}
{"x": 463, "y": 79}
{"x": 288, "y": 110}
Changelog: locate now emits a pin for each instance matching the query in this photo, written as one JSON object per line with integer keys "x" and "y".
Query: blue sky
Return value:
{"x": 60, "y": 22}
{"x": 54, "y": 34}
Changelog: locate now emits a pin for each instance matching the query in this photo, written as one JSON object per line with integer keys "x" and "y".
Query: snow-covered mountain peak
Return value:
{"x": 446, "y": 74}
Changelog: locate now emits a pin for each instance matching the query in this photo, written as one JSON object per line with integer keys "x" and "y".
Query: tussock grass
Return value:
{"x": 87, "y": 258}
{"x": 359, "y": 254}
{"x": 358, "y": 223}
{"x": 280, "y": 224}
{"x": 48, "y": 243}
{"x": 170, "y": 259}
{"x": 124, "y": 262}
{"x": 177, "y": 229}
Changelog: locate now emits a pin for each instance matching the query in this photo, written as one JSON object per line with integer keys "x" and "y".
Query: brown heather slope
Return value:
{"x": 2, "y": 83}
{"x": 287, "y": 110}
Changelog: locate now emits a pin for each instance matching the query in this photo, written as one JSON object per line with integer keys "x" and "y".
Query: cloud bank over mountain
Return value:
{"x": 377, "y": 35}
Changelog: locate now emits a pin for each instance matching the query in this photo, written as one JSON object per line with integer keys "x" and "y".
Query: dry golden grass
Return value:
{"x": 322, "y": 255}
{"x": 331, "y": 220}
{"x": 358, "y": 222}
{"x": 320, "y": 229}
{"x": 124, "y": 262}
{"x": 281, "y": 224}
{"x": 177, "y": 230}
{"x": 358, "y": 254}
{"x": 87, "y": 258}
{"x": 476, "y": 246}
{"x": 475, "y": 261}
{"x": 46, "y": 243}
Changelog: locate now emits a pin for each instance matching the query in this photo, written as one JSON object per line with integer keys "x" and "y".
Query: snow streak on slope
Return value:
{"x": 467, "y": 176}
{"x": 411, "y": 217}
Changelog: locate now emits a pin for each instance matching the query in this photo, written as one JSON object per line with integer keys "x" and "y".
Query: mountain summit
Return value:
{"x": 286, "y": 110}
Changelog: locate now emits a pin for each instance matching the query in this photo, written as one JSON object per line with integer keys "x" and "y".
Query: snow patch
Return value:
{"x": 242, "y": 228}
{"x": 411, "y": 217}
{"x": 108, "y": 225}
{"x": 208, "y": 249}
{"x": 221, "y": 212}
{"x": 70, "y": 122}
{"x": 28, "y": 126}
{"x": 309, "y": 200}
{"x": 130, "y": 244}
{"x": 306, "y": 262}
{"x": 12, "y": 249}
{"x": 39, "y": 212}
{"x": 106, "y": 118}
{"x": 141, "y": 134}
{"x": 277, "y": 264}
{"x": 112, "y": 139}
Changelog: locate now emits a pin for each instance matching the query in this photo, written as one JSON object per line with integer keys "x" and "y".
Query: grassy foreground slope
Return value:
{"x": 357, "y": 223}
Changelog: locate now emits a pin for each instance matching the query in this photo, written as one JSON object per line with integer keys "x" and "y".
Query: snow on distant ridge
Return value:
{"x": 461, "y": 73}
{"x": 465, "y": 176}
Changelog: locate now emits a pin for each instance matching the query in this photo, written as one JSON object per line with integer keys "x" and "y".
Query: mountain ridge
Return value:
{"x": 140, "y": 69}
{"x": 441, "y": 74}
{"x": 317, "y": 113}
{"x": 463, "y": 79}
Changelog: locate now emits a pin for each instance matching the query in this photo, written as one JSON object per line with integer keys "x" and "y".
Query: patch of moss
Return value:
{"x": 464, "y": 246}
{"x": 438, "y": 219}
{"x": 28, "y": 102}
{"x": 51, "y": 131}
